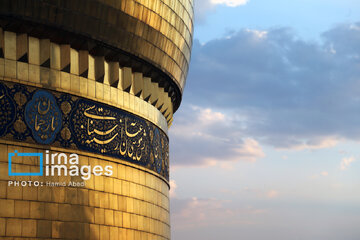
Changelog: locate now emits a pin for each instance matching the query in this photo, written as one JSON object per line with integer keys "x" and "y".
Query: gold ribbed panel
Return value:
{"x": 82, "y": 74}
{"x": 158, "y": 31}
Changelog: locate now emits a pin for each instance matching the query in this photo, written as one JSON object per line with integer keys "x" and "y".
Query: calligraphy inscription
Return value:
{"x": 81, "y": 124}
{"x": 111, "y": 132}
{"x": 158, "y": 155}
{"x": 7, "y": 109}
{"x": 43, "y": 116}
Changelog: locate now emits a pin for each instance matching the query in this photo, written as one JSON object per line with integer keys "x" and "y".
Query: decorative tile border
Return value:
{"x": 34, "y": 115}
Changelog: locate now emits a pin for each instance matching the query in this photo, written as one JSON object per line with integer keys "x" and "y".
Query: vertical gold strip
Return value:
{"x": 126, "y": 85}
{"x": 21, "y": 47}
{"x": 120, "y": 100}
{"x": 137, "y": 85}
{"x": 1, "y": 42}
{"x": 106, "y": 73}
{"x": 44, "y": 61}
{"x": 99, "y": 90}
{"x": 74, "y": 62}
{"x": 55, "y": 56}
{"x": 146, "y": 88}
{"x": 120, "y": 93}
{"x": 44, "y": 52}
{"x": 154, "y": 98}
{"x": 83, "y": 72}
{"x": 22, "y": 67}
{"x": 114, "y": 95}
{"x": 106, "y": 85}
{"x": 57, "y": 78}
{"x": 9, "y": 45}
{"x": 2, "y": 67}
{"x": 83, "y": 86}
{"x": 22, "y": 71}
{"x": 34, "y": 60}
{"x": 76, "y": 83}
{"x": 65, "y": 57}
{"x": 83, "y": 63}
{"x": 91, "y": 67}
{"x": 99, "y": 68}
{"x": 126, "y": 79}
{"x": 2, "y": 62}
{"x": 91, "y": 87}
{"x": 107, "y": 93}
{"x": 10, "y": 54}
{"x": 160, "y": 103}
{"x": 112, "y": 77}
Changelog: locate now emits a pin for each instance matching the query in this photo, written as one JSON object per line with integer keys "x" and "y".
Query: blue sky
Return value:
{"x": 308, "y": 18}
{"x": 266, "y": 142}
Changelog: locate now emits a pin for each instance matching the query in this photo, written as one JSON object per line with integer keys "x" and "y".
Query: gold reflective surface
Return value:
{"x": 133, "y": 203}
{"x": 118, "y": 52}
{"x": 121, "y": 87}
{"x": 158, "y": 31}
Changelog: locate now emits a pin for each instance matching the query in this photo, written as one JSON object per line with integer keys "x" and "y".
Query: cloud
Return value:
{"x": 280, "y": 90}
{"x": 257, "y": 34}
{"x": 250, "y": 150}
{"x": 230, "y": 3}
{"x": 344, "y": 39}
{"x": 173, "y": 187}
{"x": 321, "y": 174}
{"x": 312, "y": 144}
{"x": 203, "y": 8}
{"x": 206, "y": 137}
{"x": 210, "y": 212}
{"x": 272, "y": 194}
{"x": 345, "y": 162}
{"x": 251, "y": 194}
{"x": 324, "y": 173}
{"x": 212, "y": 219}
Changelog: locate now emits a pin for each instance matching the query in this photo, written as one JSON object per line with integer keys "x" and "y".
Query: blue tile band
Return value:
{"x": 32, "y": 115}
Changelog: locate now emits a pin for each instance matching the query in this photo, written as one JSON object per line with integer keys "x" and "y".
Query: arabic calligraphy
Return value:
{"x": 99, "y": 127}
{"x": 43, "y": 117}
{"x": 157, "y": 148}
{"x": 7, "y": 110}
{"x": 81, "y": 124}
{"x": 95, "y": 132}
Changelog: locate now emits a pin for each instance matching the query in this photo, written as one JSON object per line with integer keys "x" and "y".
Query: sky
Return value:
{"x": 266, "y": 142}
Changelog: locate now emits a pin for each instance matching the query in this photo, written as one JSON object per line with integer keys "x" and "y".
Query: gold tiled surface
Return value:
{"x": 118, "y": 86}
{"x": 173, "y": 19}
{"x": 132, "y": 204}
{"x": 109, "y": 51}
{"x": 158, "y": 31}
